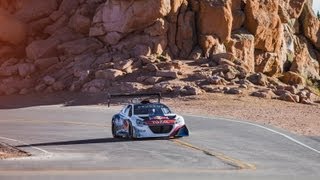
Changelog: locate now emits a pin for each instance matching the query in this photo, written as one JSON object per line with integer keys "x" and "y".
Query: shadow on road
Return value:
{"x": 89, "y": 141}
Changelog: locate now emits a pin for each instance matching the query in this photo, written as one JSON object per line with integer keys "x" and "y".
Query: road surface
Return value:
{"x": 75, "y": 142}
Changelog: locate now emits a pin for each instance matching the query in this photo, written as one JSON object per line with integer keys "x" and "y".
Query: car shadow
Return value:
{"x": 90, "y": 141}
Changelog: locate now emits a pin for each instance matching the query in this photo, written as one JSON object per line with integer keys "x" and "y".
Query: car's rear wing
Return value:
{"x": 138, "y": 95}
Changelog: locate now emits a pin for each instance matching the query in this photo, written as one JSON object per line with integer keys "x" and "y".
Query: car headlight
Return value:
{"x": 179, "y": 120}
{"x": 140, "y": 122}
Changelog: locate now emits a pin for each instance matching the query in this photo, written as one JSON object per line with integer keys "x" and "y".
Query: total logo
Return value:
{"x": 159, "y": 118}
{"x": 158, "y": 122}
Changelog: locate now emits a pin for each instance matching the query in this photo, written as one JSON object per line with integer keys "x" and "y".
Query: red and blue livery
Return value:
{"x": 146, "y": 119}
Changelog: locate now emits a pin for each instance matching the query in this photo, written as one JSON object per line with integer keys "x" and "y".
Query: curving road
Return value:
{"x": 75, "y": 143}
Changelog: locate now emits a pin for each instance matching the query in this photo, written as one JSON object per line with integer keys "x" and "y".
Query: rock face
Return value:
{"x": 263, "y": 21}
{"x": 97, "y": 45}
{"x": 128, "y": 16}
{"x": 12, "y": 30}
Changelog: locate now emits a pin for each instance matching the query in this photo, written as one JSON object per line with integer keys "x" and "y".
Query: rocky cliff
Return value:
{"x": 269, "y": 48}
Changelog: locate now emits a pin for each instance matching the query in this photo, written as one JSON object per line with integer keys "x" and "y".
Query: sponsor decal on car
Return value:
{"x": 160, "y": 121}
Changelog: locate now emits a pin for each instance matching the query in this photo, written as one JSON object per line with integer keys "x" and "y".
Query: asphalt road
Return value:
{"x": 76, "y": 143}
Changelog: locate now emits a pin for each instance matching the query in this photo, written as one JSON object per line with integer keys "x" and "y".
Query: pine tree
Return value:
{"x": 318, "y": 14}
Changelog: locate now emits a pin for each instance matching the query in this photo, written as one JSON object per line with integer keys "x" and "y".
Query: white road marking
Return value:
{"x": 25, "y": 144}
{"x": 263, "y": 127}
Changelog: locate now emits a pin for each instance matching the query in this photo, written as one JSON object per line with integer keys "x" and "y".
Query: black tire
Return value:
{"x": 114, "y": 132}
{"x": 130, "y": 135}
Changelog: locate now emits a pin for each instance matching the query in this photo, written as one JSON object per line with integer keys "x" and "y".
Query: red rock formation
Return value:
{"x": 73, "y": 43}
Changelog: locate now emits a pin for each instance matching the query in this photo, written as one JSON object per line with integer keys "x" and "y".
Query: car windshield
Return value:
{"x": 151, "y": 109}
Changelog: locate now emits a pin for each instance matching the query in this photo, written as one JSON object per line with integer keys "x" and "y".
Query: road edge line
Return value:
{"x": 262, "y": 127}
{"x": 25, "y": 144}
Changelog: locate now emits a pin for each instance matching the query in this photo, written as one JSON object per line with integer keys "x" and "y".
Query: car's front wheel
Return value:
{"x": 113, "y": 129}
{"x": 130, "y": 132}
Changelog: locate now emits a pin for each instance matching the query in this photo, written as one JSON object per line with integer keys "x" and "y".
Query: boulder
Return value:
{"x": 112, "y": 38}
{"x": 45, "y": 63}
{"x": 109, "y": 74}
{"x": 290, "y": 9}
{"x": 130, "y": 87}
{"x": 305, "y": 60}
{"x": 167, "y": 74}
{"x": 24, "y": 91}
{"x": 216, "y": 80}
{"x": 68, "y": 6}
{"x": 263, "y": 21}
{"x": 292, "y": 78}
{"x": 290, "y": 97}
{"x": 9, "y": 70}
{"x": 58, "y": 86}
{"x": 94, "y": 86}
{"x": 212, "y": 89}
{"x": 60, "y": 23}
{"x": 42, "y": 48}
{"x": 190, "y": 90}
{"x": 12, "y": 30}
{"x": 79, "y": 46}
{"x": 177, "y": 8}
{"x": 263, "y": 94}
{"x": 291, "y": 89}
{"x": 185, "y": 37}
{"x": 48, "y": 48}
{"x": 35, "y": 9}
{"x": 210, "y": 10}
{"x": 172, "y": 86}
{"x": 268, "y": 63}
{"x": 225, "y": 71}
{"x": 36, "y": 27}
{"x": 127, "y": 16}
{"x": 311, "y": 26}
{"x": 48, "y": 80}
{"x": 40, "y": 88}
{"x": 242, "y": 48}
{"x": 80, "y": 23}
{"x": 182, "y": 29}
{"x": 258, "y": 79}
{"x": 26, "y": 69}
{"x": 211, "y": 45}
{"x": 18, "y": 83}
{"x": 142, "y": 45}
{"x": 7, "y": 90}
{"x": 159, "y": 28}
{"x": 233, "y": 91}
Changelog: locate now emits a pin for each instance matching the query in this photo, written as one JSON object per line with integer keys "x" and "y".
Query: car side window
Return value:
{"x": 124, "y": 109}
{"x": 130, "y": 111}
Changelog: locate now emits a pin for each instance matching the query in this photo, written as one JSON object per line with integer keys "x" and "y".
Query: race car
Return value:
{"x": 146, "y": 119}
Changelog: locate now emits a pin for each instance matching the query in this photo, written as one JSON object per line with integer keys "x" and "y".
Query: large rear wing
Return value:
{"x": 139, "y": 95}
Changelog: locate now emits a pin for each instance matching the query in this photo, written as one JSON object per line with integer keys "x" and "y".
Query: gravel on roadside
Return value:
{"x": 7, "y": 151}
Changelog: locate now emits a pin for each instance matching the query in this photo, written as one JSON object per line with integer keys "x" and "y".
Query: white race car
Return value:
{"x": 146, "y": 119}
